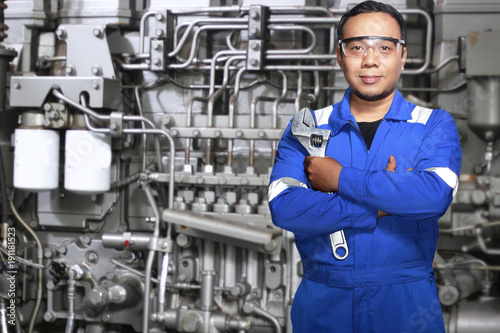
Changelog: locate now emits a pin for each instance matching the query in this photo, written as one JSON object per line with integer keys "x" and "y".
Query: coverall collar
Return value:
{"x": 399, "y": 110}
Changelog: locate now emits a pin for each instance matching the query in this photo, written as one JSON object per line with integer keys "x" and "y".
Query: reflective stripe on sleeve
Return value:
{"x": 448, "y": 176}
{"x": 279, "y": 185}
{"x": 420, "y": 115}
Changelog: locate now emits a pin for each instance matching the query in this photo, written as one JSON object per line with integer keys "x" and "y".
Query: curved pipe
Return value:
{"x": 195, "y": 44}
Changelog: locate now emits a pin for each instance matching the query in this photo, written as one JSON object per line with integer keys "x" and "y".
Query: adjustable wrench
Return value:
{"x": 314, "y": 140}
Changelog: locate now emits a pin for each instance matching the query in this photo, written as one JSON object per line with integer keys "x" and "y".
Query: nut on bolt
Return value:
{"x": 98, "y": 32}
{"x": 61, "y": 33}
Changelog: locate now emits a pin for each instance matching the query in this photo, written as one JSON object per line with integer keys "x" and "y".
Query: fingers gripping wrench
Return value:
{"x": 314, "y": 141}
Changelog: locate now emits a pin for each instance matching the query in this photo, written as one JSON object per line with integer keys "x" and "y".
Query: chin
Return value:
{"x": 371, "y": 96}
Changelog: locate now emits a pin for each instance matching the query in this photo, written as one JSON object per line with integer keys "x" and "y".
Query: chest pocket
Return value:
{"x": 392, "y": 225}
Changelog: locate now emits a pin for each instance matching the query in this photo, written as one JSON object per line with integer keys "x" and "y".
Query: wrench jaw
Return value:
{"x": 313, "y": 139}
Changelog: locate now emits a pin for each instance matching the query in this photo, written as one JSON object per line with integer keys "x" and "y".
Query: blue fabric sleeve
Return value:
{"x": 306, "y": 211}
{"x": 416, "y": 194}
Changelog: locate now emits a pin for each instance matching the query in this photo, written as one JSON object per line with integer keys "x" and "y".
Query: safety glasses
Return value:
{"x": 357, "y": 47}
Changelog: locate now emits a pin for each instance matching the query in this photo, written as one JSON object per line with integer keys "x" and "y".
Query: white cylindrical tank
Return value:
{"x": 87, "y": 164}
{"x": 36, "y": 159}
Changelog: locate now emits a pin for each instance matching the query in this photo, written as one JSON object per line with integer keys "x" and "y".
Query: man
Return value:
{"x": 390, "y": 173}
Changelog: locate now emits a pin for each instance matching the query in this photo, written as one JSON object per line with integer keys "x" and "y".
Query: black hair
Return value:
{"x": 372, "y": 7}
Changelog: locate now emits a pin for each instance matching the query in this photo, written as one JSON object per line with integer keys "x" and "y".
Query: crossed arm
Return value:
{"x": 324, "y": 172}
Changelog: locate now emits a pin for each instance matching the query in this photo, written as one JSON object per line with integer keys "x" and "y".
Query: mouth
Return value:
{"x": 370, "y": 79}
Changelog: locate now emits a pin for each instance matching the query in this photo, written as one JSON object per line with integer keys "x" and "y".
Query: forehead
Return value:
{"x": 371, "y": 24}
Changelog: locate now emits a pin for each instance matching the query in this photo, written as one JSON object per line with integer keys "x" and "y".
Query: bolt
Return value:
{"x": 175, "y": 132}
{"x": 113, "y": 126}
{"x": 95, "y": 85}
{"x": 93, "y": 226}
{"x": 159, "y": 17}
{"x": 156, "y": 61}
{"x": 253, "y": 62}
{"x": 86, "y": 239}
{"x": 156, "y": 45}
{"x": 167, "y": 120}
{"x": 97, "y": 32}
{"x": 92, "y": 257}
{"x": 255, "y": 15}
{"x": 159, "y": 32}
{"x": 17, "y": 85}
{"x": 106, "y": 317}
{"x": 111, "y": 275}
{"x": 70, "y": 69}
{"x": 254, "y": 45}
{"x": 262, "y": 134}
{"x": 61, "y": 33}
{"x": 49, "y": 316}
{"x": 48, "y": 253}
{"x": 164, "y": 244}
{"x": 46, "y": 123}
{"x": 254, "y": 31}
{"x": 62, "y": 249}
{"x": 183, "y": 240}
{"x": 196, "y": 133}
{"x": 239, "y": 134}
{"x": 96, "y": 70}
{"x": 217, "y": 134}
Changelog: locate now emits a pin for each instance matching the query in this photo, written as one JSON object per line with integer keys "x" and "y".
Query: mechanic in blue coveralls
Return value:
{"x": 392, "y": 167}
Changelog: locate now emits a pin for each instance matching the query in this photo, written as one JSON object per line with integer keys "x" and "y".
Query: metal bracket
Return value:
{"x": 257, "y": 34}
{"x": 116, "y": 124}
{"x": 103, "y": 93}
{"x": 161, "y": 244}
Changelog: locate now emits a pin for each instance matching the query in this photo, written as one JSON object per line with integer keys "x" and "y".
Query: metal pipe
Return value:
{"x": 274, "y": 119}
{"x": 251, "y": 307}
{"x": 194, "y": 43}
{"x": 207, "y": 290}
{"x": 213, "y": 98}
{"x": 80, "y": 107}
{"x": 428, "y": 41}
{"x": 3, "y": 317}
{"x": 142, "y": 29}
{"x": 189, "y": 113}
{"x": 162, "y": 287}
{"x": 151, "y": 255}
{"x": 70, "y": 323}
{"x": 39, "y": 257}
{"x": 294, "y": 51}
{"x": 232, "y": 103}
{"x": 246, "y": 233}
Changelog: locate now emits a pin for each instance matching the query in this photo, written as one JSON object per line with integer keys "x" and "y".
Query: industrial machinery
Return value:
{"x": 137, "y": 139}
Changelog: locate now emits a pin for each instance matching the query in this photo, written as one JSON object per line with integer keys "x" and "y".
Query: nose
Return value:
{"x": 370, "y": 58}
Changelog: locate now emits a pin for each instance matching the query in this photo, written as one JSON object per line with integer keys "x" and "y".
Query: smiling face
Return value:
{"x": 372, "y": 78}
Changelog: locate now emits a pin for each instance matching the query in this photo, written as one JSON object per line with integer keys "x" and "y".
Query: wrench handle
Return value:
{"x": 339, "y": 242}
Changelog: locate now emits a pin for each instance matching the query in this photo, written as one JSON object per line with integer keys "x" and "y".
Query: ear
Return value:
{"x": 339, "y": 57}
{"x": 403, "y": 58}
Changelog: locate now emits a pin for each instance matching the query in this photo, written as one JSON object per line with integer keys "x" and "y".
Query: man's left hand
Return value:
{"x": 323, "y": 173}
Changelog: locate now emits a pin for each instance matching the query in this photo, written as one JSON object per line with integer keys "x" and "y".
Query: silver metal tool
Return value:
{"x": 314, "y": 140}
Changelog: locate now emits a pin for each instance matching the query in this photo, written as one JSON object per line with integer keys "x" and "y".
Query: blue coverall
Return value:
{"x": 386, "y": 284}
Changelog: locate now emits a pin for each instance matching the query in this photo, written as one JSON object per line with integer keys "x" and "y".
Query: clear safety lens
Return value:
{"x": 357, "y": 47}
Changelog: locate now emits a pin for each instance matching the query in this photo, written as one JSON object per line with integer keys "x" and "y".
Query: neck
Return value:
{"x": 368, "y": 111}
